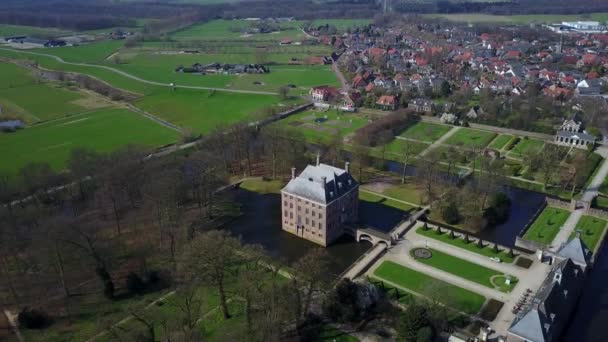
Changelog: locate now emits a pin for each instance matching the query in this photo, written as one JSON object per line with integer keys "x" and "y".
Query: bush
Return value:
{"x": 33, "y": 319}
{"x": 350, "y": 302}
{"x": 498, "y": 210}
{"x": 523, "y": 262}
{"x": 512, "y": 143}
{"x": 450, "y": 213}
{"x": 425, "y": 334}
{"x": 159, "y": 279}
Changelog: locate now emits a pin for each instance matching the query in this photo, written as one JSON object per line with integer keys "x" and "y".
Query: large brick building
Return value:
{"x": 318, "y": 203}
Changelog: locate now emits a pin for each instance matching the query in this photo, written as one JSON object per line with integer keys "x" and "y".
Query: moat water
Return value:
{"x": 260, "y": 224}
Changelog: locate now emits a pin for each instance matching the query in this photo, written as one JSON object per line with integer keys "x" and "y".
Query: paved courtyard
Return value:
{"x": 528, "y": 278}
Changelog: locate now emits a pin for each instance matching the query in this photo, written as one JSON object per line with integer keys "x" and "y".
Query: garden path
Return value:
{"x": 590, "y": 193}
{"x": 440, "y": 141}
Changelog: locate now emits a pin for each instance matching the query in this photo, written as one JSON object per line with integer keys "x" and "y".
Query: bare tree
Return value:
{"x": 213, "y": 258}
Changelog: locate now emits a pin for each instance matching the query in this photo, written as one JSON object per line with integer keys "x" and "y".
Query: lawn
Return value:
{"x": 406, "y": 192}
{"x": 262, "y": 186}
{"x": 202, "y": 111}
{"x": 547, "y": 225}
{"x": 500, "y": 141}
{"x": 375, "y": 198}
{"x": 424, "y": 131}
{"x": 592, "y": 229}
{"x": 465, "y": 269}
{"x": 459, "y": 242}
{"x": 103, "y": 131}
{"x": 395, "y": 149}
{"x": 324, "y": 125}
{"x": 471, "y": 138}
{"x": 460, "y": 299}
{"x": 526, "y": 146}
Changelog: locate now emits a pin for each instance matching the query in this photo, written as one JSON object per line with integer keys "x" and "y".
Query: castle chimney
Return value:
{"x": 318, "y": 159}
{"x": 347, "y": 167}
{"x": 324, "y": 179}
{"x": 293, "y": 173}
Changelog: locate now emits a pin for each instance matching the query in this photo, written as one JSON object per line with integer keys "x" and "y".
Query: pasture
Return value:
{"x": 14, "y": 30}
{"x": 202, "y": 111}
{"x": 88, "y": 53}
{"x": 519, "y": 19}
{"x": 237, "y": 30}
{"x": 103, "y": 131}
{"x": 52, "y": 100}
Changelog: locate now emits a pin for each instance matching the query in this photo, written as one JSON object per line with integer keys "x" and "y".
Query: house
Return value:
{"x": 323, "y": 93}
{"x": 349, "y": 102}
{"x": 545, "y": 318}
{"x": 319, "y": 203}
{"x": 422, "y": 105}
{"x": 571, "y": 133}
{"x": 387, "y": 102}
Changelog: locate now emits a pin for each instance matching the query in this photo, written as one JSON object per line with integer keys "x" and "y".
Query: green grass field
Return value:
{"x": 526, "y": 146}
{"x": 103, "y": 131}
{"x": 324, "y": 125}
{"x": 470, "y": 138}
{"x": 460, "y": 299}
{"x": 425, "y": 131}
{"x": 500, "y": 141}
{"x": 262, "y": 186}
{"x": 202, "y": 111}
{"x": 519, "y": 19}
{"x": 465, "y": 269}
{"x": 396, "y": 148}
{"x": 592, "y": 229}
{"x": 235, "y": 30}
{"x": 14, "y": 30}
{"x": 88, "y": 53}
{"x": 373, "y": 198}
{"x": 547, "y": 225}
{"x": 406, "y": 192}
{"x": 459, "y": 242}
{"x": 24, "y": 97}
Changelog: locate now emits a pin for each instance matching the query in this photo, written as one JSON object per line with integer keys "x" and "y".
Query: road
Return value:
{"x": 139, "y": 79}
{"x": 155, "y": 118}
{"x": 340, "y": 76}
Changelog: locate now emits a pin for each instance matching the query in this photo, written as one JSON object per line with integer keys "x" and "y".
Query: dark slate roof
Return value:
{"x": 576, "y": 250}
{"x": 551, "y": 306}
{"x": 309, "y": 184}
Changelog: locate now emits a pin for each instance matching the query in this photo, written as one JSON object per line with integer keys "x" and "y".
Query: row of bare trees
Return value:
{"x": 85, "y": 232}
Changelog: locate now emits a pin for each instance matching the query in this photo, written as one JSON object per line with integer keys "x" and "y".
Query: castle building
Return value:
{"x": 319, "y": 203}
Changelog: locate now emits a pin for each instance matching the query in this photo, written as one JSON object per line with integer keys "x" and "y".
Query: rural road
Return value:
{"x": 139, "y": 79}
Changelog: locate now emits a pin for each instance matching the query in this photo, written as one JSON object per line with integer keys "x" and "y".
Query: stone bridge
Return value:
{"x": 368, "y": 234}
